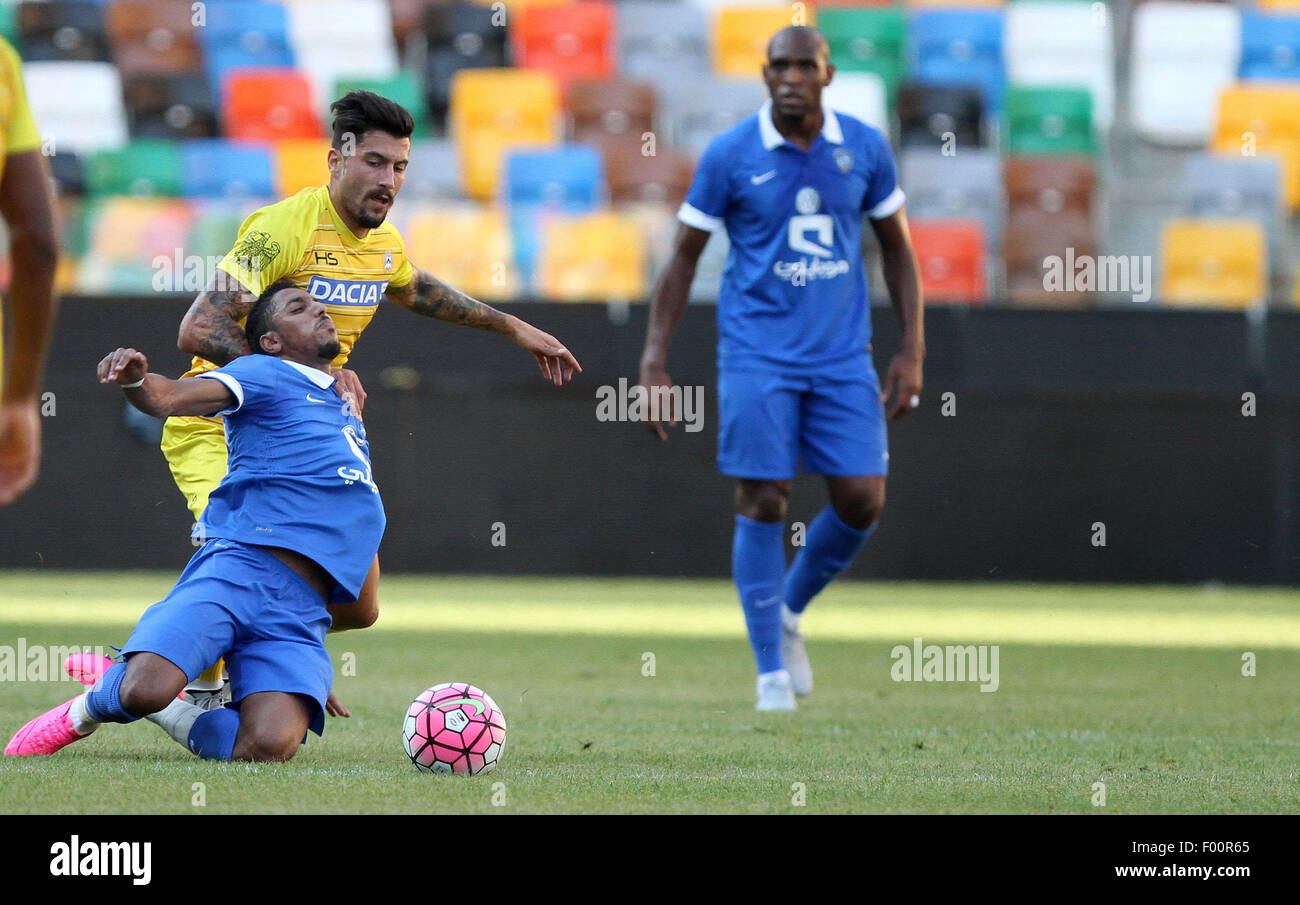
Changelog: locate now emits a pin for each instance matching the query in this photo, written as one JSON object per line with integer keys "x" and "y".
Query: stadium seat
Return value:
{"x": 565, "y": 180}
{"x": 1049, "y": 121}
{"x": 1213, "y": 263}
{"x": 216, "y": 224}
{"x": 867, "y": 40}
{"x": 702, "y": 107}
{"x": 268, "y": 105}
{"x": 326, "y": 35}
{"x": 62, "y": 30}
{"x": 124, "y": 236}
{"x": 611, "y": 111}
{"x": 79, "y": 104}
{"x": 1051, "y": 184}
{"x": 740, "y": 36}
{"x": 595, "y": 258}
{"x": 404, "y": 88}
{"x": 169, "y": 106}
{"x": 459, "y": 36}
{"x": 68, "y": 171}
{"x": 148, "y": 167}
{"x": 928, "y": 113}
{"x": 1063, "y": 43}
{"x": 574, "y": 40}
{"x": 243, "y": 34}
{"x": 1270, "y": 46}
{"x": 433, "y": 171}
{"x": 1183, "y": 55}
{"x": 950, "y": 254}
{"x": 301, "y": 163}
{"x": 960, "y": 47}
{"x": 662, "y": 178}
{"x": 659, "y": 48}
{"x": 1031, "y": 240}
{"x": 153, "y": 36}
{"x": 1230, "y": 186}
{"x": 1256, "y": 118}
{"x": 212, "y": 168}
{"x": 467, "y": 246}
{"x": 494, "y": 109}
{"x": 964, "y": 186}
{"x": 861, "y": 95}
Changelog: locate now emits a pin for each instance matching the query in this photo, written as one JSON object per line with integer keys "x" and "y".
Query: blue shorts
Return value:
{"x": 238, "y": 601}
{"x": 772, "y": 423}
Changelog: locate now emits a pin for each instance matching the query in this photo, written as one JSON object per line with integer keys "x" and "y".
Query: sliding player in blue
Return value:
{"x": 294, "y": 525}
{"x": 796, "y": 384}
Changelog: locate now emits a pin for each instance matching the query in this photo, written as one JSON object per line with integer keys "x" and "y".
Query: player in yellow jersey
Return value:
{"x": 28, "y": 211}
{"x": 334, "y": 242}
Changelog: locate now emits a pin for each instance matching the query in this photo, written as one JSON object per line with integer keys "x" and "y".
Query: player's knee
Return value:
{"x": 765, "y": 502}
{"x": 269, "y": 747}
{"x": 140, "y": 696}
{"x": 862, "y": 509}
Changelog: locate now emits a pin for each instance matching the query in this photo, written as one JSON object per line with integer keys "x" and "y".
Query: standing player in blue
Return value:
{"x": 796, "y": 384}
{"x": 293, "y": 526}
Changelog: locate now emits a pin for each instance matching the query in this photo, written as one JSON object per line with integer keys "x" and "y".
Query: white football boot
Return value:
{"x": 796, "y": 660}
{"x": 775, "y": 691}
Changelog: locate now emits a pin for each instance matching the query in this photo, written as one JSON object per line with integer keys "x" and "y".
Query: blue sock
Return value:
{"x": 212, "y": 737}
{"x": 829, "y": 547}
{"x": 757, "y": 565}
{"x": 104, "y": 703}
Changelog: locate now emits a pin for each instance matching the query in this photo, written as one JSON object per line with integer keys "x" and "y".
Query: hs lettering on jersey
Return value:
{"x": 103, "y": 859}
{"x": 346, "y": 292}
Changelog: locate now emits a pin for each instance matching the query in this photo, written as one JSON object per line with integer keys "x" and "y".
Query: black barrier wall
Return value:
{"x": 1058, "y": 426}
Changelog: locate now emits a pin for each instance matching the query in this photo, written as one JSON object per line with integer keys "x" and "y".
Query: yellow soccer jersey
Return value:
{"x": 17, "y": 129}
{"x": 302, "y": 239}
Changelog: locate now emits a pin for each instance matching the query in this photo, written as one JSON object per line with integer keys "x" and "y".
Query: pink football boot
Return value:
{"x": 46, "y": 734}
{"x": 87, "y": 668}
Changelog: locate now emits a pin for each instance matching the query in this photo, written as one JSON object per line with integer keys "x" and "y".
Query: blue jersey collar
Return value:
{"x": 773, "y": 139}
{"x": 320, "y": 378}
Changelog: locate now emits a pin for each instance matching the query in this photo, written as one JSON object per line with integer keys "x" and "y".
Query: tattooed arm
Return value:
{"x": 430, "y": 296}
{"x": 211, "y": 328}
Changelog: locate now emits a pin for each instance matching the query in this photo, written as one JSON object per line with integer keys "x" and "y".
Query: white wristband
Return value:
{"x": 132, "y": 386}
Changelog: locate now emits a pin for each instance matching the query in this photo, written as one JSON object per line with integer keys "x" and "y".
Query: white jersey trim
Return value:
{"x": 693, "y": 216}
{"x": 889, "y": 206}
{"x": 231, "y": 384}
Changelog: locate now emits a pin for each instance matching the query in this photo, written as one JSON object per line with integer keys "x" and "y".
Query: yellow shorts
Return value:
{"x": 196, "y": 453}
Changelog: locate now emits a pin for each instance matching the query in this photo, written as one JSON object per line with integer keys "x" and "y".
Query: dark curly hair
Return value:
{"x": 360, "y": 111}
{"x": 261, "y": 315}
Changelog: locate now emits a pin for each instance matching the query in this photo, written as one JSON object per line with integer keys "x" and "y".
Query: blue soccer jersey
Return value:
{"x": 299, "y": 471}
{"x": 794, "y": 292}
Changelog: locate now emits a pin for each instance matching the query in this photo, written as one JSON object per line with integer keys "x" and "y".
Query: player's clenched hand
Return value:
{"x": 903, "y": 382}
{"x": 334, "y": 707}
{"x": 349, "y": 387}
{"x": 557, "y": 363}
{"x": 20, "y": 448}
{"x": 654, "y": 375}
{"x": 123, "y": 366}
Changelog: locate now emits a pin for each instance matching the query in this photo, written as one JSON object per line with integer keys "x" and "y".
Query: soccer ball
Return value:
{"x": 454, "y": 728}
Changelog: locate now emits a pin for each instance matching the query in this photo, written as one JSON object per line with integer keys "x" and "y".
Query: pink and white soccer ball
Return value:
{"x": 454, "y": 728}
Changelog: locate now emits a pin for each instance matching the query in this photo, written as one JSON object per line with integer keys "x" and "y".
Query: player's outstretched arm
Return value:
{"x": 431, "y": 297}
{"x": 666, "y": 306}
{"x": 902, "y": 277}
{"x": 210, "y": 329}
{"x": 160, "y": 396}
{"x": 33, "y": 250}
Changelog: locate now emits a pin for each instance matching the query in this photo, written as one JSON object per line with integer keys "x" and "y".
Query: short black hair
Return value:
{"x": 260, "y": 316}
{"x": 360, "y": 111}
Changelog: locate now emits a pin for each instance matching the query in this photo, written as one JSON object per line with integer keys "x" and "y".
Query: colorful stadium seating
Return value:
{"x": 599, "y": 257}
{"x": 145, "y": 167}
{"x": 268, "y": 105}
{"x": 1049, "y": 121}
{"x": 300, "y": 163}
{"x": 62, "y": 30}
{"x": 458, "y": 36}
{"x": 868, "y": 40}
{"x": 404, "y": 88}
{"x": 960, "y": 47}
{"x": 1270, "y": 46}
{"x": 740, "y": 36}
{"x": 928, "y": 114}
{"x": 152, "y": 36}
{"x": 79, "y": 104}
{"x": 565, "y": 180}
{"x": 661, "y": 48}
{"x": 1257, "y": 118}
{"x": 861, "y": 95}
{"x": 1213, "y": 263}
{"x": 495, "y": 109}
{"x": 214, "y": 168}
{"x": 575, "y": 40}
{"x": 468, "y": 246}
{"x": 964, "y": 186}
{"x": 1183, "y": 55}
{"x": 950, "y": 254}
{"x": 1063, "y": 43}
{"x": 171, "y": 106}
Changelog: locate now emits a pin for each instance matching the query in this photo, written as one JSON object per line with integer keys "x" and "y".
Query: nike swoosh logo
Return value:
{"x": 764, "y": 604}
{"x": 759, "y": 180}
{"x": 478, "y": 705}
{"x": 309, "y": 399}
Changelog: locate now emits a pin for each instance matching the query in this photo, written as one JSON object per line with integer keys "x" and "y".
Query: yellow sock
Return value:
{"x": 212, "y": 673}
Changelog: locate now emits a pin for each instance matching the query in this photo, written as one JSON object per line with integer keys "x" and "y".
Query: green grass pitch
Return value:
{"x": 636, "y": 696}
